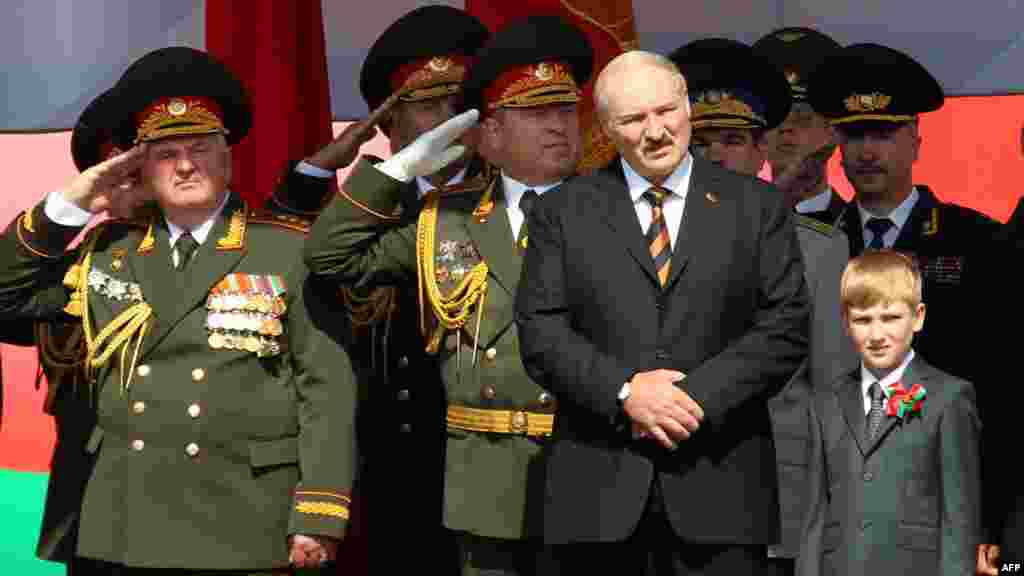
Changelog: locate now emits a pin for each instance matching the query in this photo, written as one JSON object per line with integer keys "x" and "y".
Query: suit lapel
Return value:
{"x": 852, "y": 402}
{"x": 188, "y": 289}
{"x": 850, "y": 223}
{"x": 621, "y": 218}
{"x": 493, "y": 238}
{"x": 154, "y": 272}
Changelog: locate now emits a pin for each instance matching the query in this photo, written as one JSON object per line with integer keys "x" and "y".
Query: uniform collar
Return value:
{"x": 199, "y": 232}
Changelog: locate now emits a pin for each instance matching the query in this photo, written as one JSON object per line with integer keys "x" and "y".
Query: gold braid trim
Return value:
{"x": 322, "y": 509}
{"x": 371, "y": 309}
{"x": 450, "y": 311}
{"x": 131, "y": 324}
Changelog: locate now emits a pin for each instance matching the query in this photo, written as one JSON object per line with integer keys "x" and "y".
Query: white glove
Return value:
{"x": 431, "y": 151}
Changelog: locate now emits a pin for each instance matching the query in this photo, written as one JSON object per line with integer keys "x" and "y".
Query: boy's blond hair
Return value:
{"x": 880, "y": 277}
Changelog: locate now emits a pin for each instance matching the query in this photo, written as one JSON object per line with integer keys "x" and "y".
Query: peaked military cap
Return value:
{"x": 180, "y": 91}
{"x": 532, "y": 61}
{"x": 797, "y": 52}
{"x": 730, "y": 86}
{"x": 92, "y": 138}
{"x": 872, "y": 83}
{"x": 426, "y": 53}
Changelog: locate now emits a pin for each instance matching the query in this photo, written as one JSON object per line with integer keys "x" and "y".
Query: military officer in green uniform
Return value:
{"x": 873, "y": 95}
{"x": 463, "y": 257}
{"x": 735, "y": 89}
{"x": 798, "y": 150}
{"x": 223, "y": 403}
{"x": 410, "y": 81}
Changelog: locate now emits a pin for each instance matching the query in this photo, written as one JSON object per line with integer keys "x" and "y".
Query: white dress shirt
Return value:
{"x": 898, "y": 216}
{"x": 867, "y": 378}
{"x": 513, "y": 190}
{"x": 672, "y": 208}
{"x": 816, "y": 203}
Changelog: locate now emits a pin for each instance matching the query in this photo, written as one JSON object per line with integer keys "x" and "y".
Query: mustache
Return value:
{"x": 860, "y": 168}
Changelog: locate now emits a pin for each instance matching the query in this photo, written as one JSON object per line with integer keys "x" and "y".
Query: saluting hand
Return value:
{"x": 432, "y": 151}
{"x": 111, "y": 186}
{"x": 342, "y": 150}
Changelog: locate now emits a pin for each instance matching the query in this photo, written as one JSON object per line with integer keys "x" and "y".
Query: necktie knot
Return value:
{"x": 878, "y": 227}
{"x": 186, "y": 245}
{"x": 656, "y": 195}
{"x": 526, "y": 202}
{"x": 877, "y": 409}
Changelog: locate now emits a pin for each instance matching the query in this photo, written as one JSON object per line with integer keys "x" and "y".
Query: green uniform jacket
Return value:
{"x": 493, "y": 482}
{"x": 212, "y": 456}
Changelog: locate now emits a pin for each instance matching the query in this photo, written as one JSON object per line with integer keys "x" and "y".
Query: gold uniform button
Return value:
{"x": 488, "y": 392}
{"x": 139, "y": 407}
{"x": 403, "y": 362}
{"x": 545, "y": 399}
{"x": 192, "y": 449}
{"x": 194, "y": 410}
{"x": 198, "y": 374}
{"x": 406, "y": 427}
{"x": 143, "y": 370}
{"x": 403, "y": 394}
{"x": 491, "y": 353}
{"x": 138, "y": 445}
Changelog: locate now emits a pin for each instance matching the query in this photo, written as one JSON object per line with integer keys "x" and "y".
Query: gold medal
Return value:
{"x": 275, "y": 327}
{"x": 216, "y": 340}
{"x": 252, "y": 303}
{"x": 265, "y": 305}
{"x": 252, "y": 344}
{"x": 279, "y": 306}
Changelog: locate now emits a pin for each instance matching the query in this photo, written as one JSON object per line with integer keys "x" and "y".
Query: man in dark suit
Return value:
{"x": 662, "y": 349}
{"x": 874, "y": 95}
{"x": 223, "y": 404}
{"x": 799, "y": 148}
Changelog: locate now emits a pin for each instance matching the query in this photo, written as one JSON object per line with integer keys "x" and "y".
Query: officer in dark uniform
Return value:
{"x": 410, "y": 81}
{"x": 799, "y": 148}
{"x": 873, "y": 95}
{"x": 462, "y": 258}
{"x": 735, "y": 89}
{"x": 223, "y": 404}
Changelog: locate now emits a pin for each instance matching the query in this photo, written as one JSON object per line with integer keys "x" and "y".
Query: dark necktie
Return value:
{"x": 877, "y": 411}
{"x": 878, "y": 227}
{"x": 186, "y": 245}
{"x": 657, "y": 234}
{"x": 526, "y": 202}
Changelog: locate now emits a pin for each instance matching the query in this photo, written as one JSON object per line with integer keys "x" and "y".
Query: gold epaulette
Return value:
{"x": 816, "y": 225}
{"x": 289, "y": 221}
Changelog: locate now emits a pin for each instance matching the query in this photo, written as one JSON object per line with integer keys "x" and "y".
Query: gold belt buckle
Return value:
{"x": 518, "y": 422}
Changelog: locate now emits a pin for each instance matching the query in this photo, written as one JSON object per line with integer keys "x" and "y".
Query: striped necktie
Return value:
{"x": 657, "y": 234}
{"x": 877, "y": 411}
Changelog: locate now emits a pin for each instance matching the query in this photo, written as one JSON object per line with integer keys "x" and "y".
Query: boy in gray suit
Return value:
{"x": 894, "y": 465}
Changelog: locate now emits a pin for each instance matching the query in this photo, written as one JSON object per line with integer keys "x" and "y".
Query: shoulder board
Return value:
{"x": 476, "y": 183}
{"x": 816, "y": 225}
{"x": 289, "y": 221}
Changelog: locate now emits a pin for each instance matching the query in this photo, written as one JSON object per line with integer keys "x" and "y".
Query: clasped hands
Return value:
{"x": 659, "y": 409}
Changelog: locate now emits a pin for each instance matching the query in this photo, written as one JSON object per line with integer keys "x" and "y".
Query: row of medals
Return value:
{"x": 249, "y": 322}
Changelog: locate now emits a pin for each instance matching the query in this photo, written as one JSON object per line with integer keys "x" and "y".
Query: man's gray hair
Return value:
{"x": 631, "y": 59}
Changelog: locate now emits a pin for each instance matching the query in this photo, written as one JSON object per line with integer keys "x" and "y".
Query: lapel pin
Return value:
{"x": 712, "y": 197}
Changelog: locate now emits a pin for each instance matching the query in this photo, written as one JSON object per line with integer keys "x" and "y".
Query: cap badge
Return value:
{"x": 867, "y": 102}
{"x": 440, "y": 63}
{"x": 544, "y": 71}
{"x": 177, "y": 107}
{"x": 790, "y": 36}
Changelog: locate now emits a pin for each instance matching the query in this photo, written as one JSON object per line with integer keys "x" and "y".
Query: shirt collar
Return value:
{"x": 423, "y": 185}
{"x": 199, "y": 232}
{"x": 899, "y": 215}
{"x": 818, "y": 203}
{"x": 678, "y": 182}
{"x": 513, "y": 189}
{"x": 866, "y": 377}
